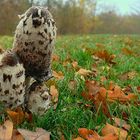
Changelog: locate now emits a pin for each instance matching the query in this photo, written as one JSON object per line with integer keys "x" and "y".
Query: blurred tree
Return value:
{"x": 10, "y": 9}
{"x": 73, "y": 17}
{"x": 110, "y": 22}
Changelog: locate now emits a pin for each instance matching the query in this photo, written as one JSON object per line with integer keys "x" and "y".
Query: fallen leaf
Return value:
{"x": 111, "y": 86}
{"x": 101, "y": 102}
{"x": 117, "y": 95}
{"x": 127, "y": 89}
{"x": 92, "y": 87}
{"x": 93, "y": 135}
{"x": 54, "y": 93}
{"x": 97, "y": 59}
{"x": 78, "y": 138}
{"x": 94, "y": 94}
{"x": 62, "y": 137}
{"x": 88, "y": 134}
{"x": 55, "y": 57}
{"x": 16, "y": 135}
{"x": 101, "y": 96}
{"x": 6, "y": 130}
{"x": 121, "y": 123}
{"x": 88, "y": 50}
{"x": 75, "y": 64}
{"x": 103, "y": 79}
{"x": 17, "y": 116}
{"x": 40, "y": 134}
{"x": 29, "y": 117}
{"x": 66, "y": 63}
{"x": 95, "y": 70}
{"x": 127, "y": 51}
{"x": 72, "y": 85}
{"x": 125, "y": 115}
{"x": 58, "y": 75}
{"x": 103, "y": 54}
{"x": 122, "y": 134}
{"x": 128, "y": 75}
{"x": 51, "y": 82}
{"x": 83, "y": 72}
{"x": 100, "y": 46}
{"x": 132, "y": 74}
{"x": 110, "y": 137}
{"x": 138, "y": 89}
{"x": 128, "y": 41}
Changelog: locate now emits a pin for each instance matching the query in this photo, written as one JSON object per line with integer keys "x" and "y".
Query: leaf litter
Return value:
{"x": 7, "y": 132}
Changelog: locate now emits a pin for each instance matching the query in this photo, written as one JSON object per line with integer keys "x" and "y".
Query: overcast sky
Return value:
{"x": 121, "y": 6}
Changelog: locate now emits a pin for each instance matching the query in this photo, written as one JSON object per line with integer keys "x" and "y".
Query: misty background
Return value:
{"x": 78, "y": 16}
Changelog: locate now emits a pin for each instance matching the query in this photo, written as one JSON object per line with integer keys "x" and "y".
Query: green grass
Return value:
{"x": 71, "y": 112}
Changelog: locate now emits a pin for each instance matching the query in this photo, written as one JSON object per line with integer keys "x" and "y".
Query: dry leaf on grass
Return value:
{"x": 103, "y": 79}
{"x": 58, "y": 75}
{"x": 75, "y": 64}
{"x": 78, "y": 138}
{"x": 17, "y": 116}
{"x": 117, "y": 95}
{"x": 72, "y": 85}
{"x": 121, "y": 123}
{"x": 94, "y": 95}
{"x": 122, "y": 134}
{"x": 103, "y": 54}
{"x": 51, "y": 82}
{"x": 128, "y": 41}
{"x": 40, "y": 134}
{"x": 92, "y": 87}
{"x": 88, "y": 134}
{"x": 138, "y": 89}
{"x": 54, "y": 93}
{"x": 110, "y": 137}
{"x": 55, "y": 57}
{"x": 83, "y": 72}
{"x": 6, "y": 130}
{"x": 100, "y": 45}
{"x": 128, "y": 75}
{"x": 66, "y": 63}
{"x": 100, "y": 95}
{"x": 93, "y": 135}
{"x": 127, "y": 51}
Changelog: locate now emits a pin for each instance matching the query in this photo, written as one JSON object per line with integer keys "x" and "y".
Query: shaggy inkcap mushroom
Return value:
{"x": 34, "y": 42}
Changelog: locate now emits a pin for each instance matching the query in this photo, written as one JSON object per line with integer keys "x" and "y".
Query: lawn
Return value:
{"x": 109, "y": 58}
